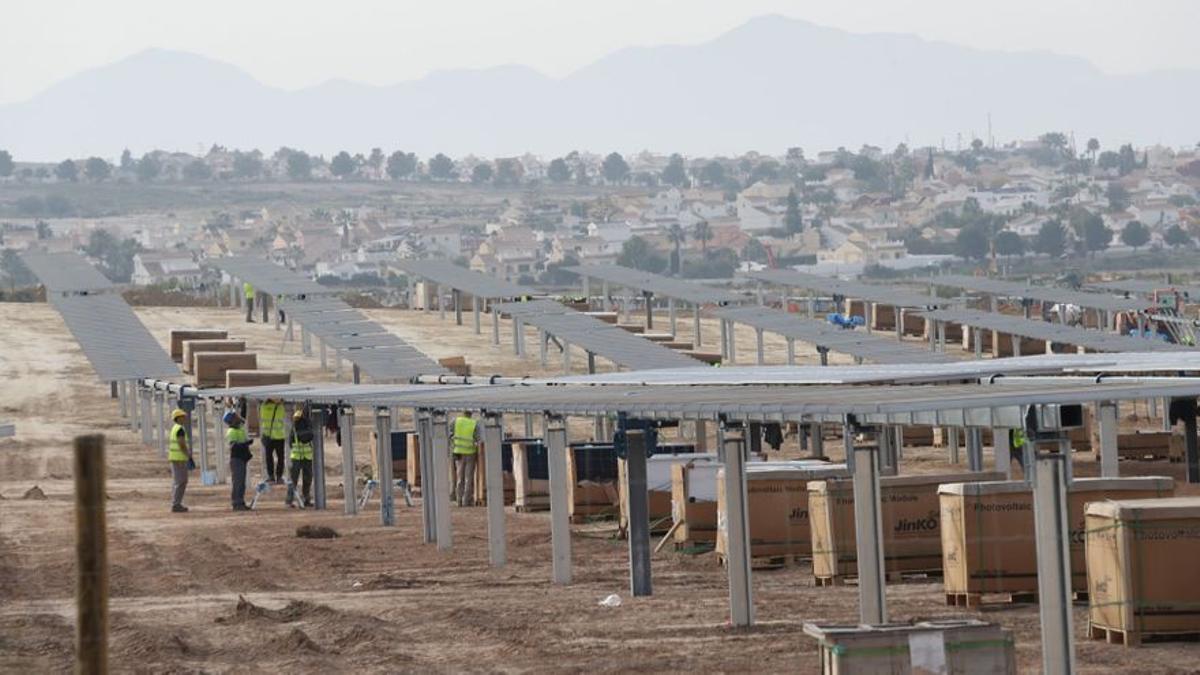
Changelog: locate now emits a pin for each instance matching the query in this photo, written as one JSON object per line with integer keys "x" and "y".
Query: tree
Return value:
{"x": 6, "y": 164}
{"x": 376, "y": 160}
{"x": 976, "y": 145}
{"x": 638, "y": 254}
{"x": 66, "y": 170}
{"x": 1093, "y": 146}
{"x": 1051, "y": 239}
{"x": 441, "y": 167}
{"x": 766, "y": 170}
{"x": 96, "y": 169}
{"x": 676, "y": 235}
{"x": 793, "y": 222}
{"x": 1094, "y": 234}
{"x": 148, "y": 168}
{"x": 127, "y": 161}
{"x": 1127, "y": 160}
{"x": 713, "y": 174}
{"x": 115, "y": 256}
{"x": 971, "y": 243}
{"x": 755, "y": 251}
{"x": 247, "y": 164}
{"x": 1176, "y": 236}
{"x": 675, "y": 173}
{"x": 1135, "y": 234}
{"x": 15, "y": 270}
{"x": 299, "y": 165}
{"x": 401, "y": 164}
{"x": 703, "y": 233}
{"x": 558, "y": 171}
{"x": 509, "y": 172}
{"x": 482, "y": 173}
{"x": 197, "y": 169}
{"x": 614, "y": 168}
{"x": 342, "y": 165}
{"x": 1118, "y": 197}
{"x": 1009, "y": 243}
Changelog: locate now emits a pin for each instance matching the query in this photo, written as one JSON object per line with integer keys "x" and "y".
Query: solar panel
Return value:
{"x": 65, "y": 272}
{"x": 267, "y": 277}
{"x": 591, "y": 334}
{"x": 462, "y": 279}
{"x": 1146, "y": 287}
{"x": 1053, "y": 332}
{"x": 1048, "y": 294}
{"x": 657, "y": 284}
{"x": 860, "y": 344}
{"x": 885, "y": 295}
{"x": 115, "y": 342}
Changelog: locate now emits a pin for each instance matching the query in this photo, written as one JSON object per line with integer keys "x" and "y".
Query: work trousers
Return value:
{"x": 249, "y": 310}
{"x": 273, "y": 451}
{"x": 237, "y": 474}
{"x": 464, "y": 479}
{"x": 179, "y": 482}
{"x": 301, "y": 468}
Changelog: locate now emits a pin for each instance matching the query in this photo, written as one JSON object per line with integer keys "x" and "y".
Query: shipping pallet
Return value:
{"x": 892, "y": 578}
{"x": 585, "y": 518}
{"x": 1134, "y": 638}
{"x": 769, "y": 562}
{"x": 532, "y": 508}
{"x": 695, "y": 546}
{"x": 976, "y": 599}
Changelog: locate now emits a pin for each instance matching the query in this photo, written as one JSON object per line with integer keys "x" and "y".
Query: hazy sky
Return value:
{"x": 295, "y": 43}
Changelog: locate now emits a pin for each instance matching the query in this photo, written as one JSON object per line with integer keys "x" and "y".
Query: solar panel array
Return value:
{"x": 378, "y": 353}
{"x": 1045, "y": 294}
{"x": 591, "y": 334}
{"x": 267, "y": 277}
{"x": 65, "y": 272}
{"x": 657, "y": 284}
{"x": 872, "y": 347}
{"x": 1146, "y": 287}
{"x": 1053, "y": 332}
{"x": 884, "y": 295}
{"x": 448, "y": 274}
{"x": 115, "y": 342}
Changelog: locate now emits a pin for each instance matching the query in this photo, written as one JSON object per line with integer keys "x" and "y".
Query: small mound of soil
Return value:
{"x": 316, "y": 532}
{"x": 385, "y": 581}
{"x": 34, "y": 492}
{"x": 297, "y": 640}
{"x": 293, "y": 611}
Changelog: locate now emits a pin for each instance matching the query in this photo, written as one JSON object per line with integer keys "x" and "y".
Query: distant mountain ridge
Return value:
{"x": 769, "y": 84}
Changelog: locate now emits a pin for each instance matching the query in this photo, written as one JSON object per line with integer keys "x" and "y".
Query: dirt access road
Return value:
{"x": 216, "y": 591}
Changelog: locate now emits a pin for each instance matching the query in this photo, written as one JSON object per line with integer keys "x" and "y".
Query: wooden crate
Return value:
{"x": 1141, "y": 568}
{"x": 777, "y": 506}
{"x": 954, "y": 647}
{"x": 507, "y": 480}
{"x": 178, "y": 335}
{"x": 255, "y": 378}
{"x": 529, "y": 493}
{"x": 192, "y": 347}
{"x": 912, "y": 534}
{"x": 211, "y": 367}
{"x": 659, "y": 469}
{"x": 988, "y": 543}
{"x": 456, "y": 364}
{"x": 412, "y": 462}
{"x": 694, "y": 502}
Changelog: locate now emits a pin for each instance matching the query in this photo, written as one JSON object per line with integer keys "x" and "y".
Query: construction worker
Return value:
{"x": 239, "y": 457}
{"x": 302, "y": 456}
{"x": 1016, "y": 441}
{"x": 179, "y": 454}
{"x": 465, "y": 442}
{"x": 249, "y": 292}
{"x": 271, "y": 418}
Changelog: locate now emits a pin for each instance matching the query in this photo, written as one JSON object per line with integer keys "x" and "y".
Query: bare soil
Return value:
{"x": 218, "y": 591}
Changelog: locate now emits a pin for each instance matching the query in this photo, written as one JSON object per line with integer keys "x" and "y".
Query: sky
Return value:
{"x": 297, "y": 43}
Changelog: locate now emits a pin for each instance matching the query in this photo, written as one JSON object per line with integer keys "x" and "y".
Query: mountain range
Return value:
{"x": 766, "y": 85}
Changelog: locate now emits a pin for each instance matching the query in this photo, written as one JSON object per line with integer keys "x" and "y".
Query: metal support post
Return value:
{"x": 383, "y": 461}
{"x": 1106, "y": 416}
{"x": 732, "y": 333}
{"x": 952, "y": 441}
{"x": 791, "y": 351}
{"x": 888, "y": 459}
{"x": 732, "y": 451}
{"x": 868, "y": 535}
{"x": 696, "y": 325}
{"x": 639, "y": 514}
{"x": 144, "y": 397}
{"x": 566, "y": 357}
{"x": 1052, "y": 529}
{"x": 648, "y": 298}
{"x": 275, "y": 310}
{"x": 475, "y": 312}
{"x": 201, "y": 413}
{"x": 978, "y": 342}
{"x": 441, "y": 300}
{"x": 606, "y": 300}
{"x": 161, "y": 397}
{"x": 671, "y": 315}
{"x": 758, "y": 335}
{"x": 1192, "y": 449}
{"x": 456, "y": 303}
{"x": 121, "y": 396}
{"x": 440, "y": 469}
{"x": 219, "y": 444}
{"x": 816, "y": 440}
{"x": 1002, "y": 451}
{"x": 349, "y": 477}
{"x": 974, "y": 449}
{"x": 560, "y": 520}
{"x": 318, "y": 468}
{"x": 823, "y": 352}
{"x": 493, "y": 445}
{"x": 428, "y": 489}
{"x": 496, "y": 326}
{"x": 542, "y": 339}
{"x": 724, "y": 340}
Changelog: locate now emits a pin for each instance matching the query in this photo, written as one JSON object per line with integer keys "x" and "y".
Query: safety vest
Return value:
{"x": 464, "y": 436}
{"x": 236, "y": 435}
{"x": 301, "y": 450}
{"x": 270, "y": 420}
{"x": 248, "y": 290}
{"x": 1018, "y": 439}
{"x": 174, "y": 452}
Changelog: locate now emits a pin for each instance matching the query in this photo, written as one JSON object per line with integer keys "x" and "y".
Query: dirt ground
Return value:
{"x": 217, "y": 591}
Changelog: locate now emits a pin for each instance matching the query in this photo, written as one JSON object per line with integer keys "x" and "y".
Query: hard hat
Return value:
{"x": 177, "y": 413}
{"x": 230, "y": 417}
{"x": 298, "y": 414}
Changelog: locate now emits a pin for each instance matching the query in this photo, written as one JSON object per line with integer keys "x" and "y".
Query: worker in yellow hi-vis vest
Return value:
{"x": 249, "y": 291}
{"x": 271, "y": 425}
{"x": 465, "y": 446}
{"x": 179, "y": 454}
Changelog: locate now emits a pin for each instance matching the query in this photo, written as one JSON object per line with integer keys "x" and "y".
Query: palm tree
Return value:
{"x": 702, "y": 232}
{"x": 676, "y": 235}
{"x": 1093, "y": 146}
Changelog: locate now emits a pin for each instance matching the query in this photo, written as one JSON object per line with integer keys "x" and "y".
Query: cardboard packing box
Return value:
{"x": 659, "y": 470}
{"x": 948, "y": 646}
{"x": 777, "y": 506}
{"x": 1141, "y": 565}
{"x": 988, "y": 542}
{"x": 694, "y": 501}
{"x": 192, "y": 347}
{"x": 912, "y": 533}
{"x": 211, "y": 366}
{"x": 178, "y": 336}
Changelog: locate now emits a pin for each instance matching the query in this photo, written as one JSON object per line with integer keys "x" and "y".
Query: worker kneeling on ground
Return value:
{"x": 466, "y": 441}
{"x": 271, "y": 416}
{"x": 302, "y": 456}
{"x": 239, "y": 458}
{"x": 179, "y": 454}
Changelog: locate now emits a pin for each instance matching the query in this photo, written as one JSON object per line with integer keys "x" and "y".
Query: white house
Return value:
{"x": 161, "y": 268}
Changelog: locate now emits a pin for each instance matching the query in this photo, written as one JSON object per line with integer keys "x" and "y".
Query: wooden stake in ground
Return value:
{"x": 91, "y": 551}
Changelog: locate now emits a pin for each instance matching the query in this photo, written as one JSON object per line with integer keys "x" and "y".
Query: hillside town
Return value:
{"x": 837, "y": 212}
